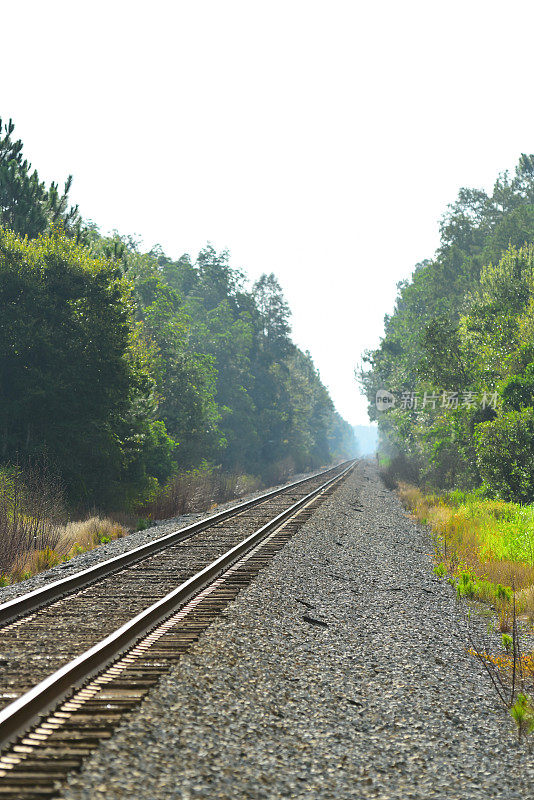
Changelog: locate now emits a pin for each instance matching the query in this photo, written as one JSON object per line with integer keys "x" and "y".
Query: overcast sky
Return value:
{"x": 318, "y": 140}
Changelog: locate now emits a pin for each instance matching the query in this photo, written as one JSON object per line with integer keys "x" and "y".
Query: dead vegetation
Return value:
{"x": 34, "y": 534}
{"x": 197, "y": 491}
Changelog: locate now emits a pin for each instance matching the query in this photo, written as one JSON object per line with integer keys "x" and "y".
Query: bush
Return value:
{"x": 398, "y": 468}
{"x": 505, "y": 455}
{"x": 197, "y": 490}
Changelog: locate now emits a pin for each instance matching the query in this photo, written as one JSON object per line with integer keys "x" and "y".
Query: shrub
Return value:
{"x": 35, "y": 561}
{"x": 507, "y": 642}
{"x": 396, "y": 469}
{"x": 30, "y": 506}
{"x": 68, "y": 541}
{"x": 505, "y": 455}
{"x": 197, "y": 490}
{"x": 466, "y": 586}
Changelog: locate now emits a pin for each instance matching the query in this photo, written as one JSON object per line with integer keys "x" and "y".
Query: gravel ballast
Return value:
{"x": 381, "y": 700}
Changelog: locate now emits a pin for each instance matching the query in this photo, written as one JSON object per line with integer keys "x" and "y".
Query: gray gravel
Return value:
{"x": 382, "y": 702}
{"x": 119, "y": 546}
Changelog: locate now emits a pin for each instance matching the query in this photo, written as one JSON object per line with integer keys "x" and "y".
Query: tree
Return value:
{"x": 185, "y": 379}
{"x": 123, "y": 366}
{"x": 70, "y": 383}
{"x": 505, "y": 450}
{"x": 274, "y": 316}
{"x": 27, "y": 206}
{"x": 463, "y": 322}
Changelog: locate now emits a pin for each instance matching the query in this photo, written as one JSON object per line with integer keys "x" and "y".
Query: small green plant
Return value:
{"x": 440, "y": 570}
{"x": 507, "y": 642}
{"x": 467, "y": 589}
{"x": 523, "y": 713}
{"x": 4, "y": 580}
{"x": 142, "y": 524}
{"x": 503, "y": 593}
{"x": 105, "y": 539}
{"x": 466, "y": 586}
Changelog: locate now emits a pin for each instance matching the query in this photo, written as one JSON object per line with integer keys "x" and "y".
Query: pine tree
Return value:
{"x": 27, "y": 206}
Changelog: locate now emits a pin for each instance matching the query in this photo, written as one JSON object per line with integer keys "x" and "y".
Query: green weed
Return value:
{"x": 507, "y": 642}
{"x": 523, "y": 713}
{"x": 440, "y": 570}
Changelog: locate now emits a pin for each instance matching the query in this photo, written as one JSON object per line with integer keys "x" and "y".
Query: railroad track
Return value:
{"x": 77, "y": 654}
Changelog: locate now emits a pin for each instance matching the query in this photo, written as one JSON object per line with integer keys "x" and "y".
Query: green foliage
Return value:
{"x": 505, "y": 454}
{"x": 507, "y": 642}
{"x": 466, "y": 585}
{"x": 256, "y": 400}
{"x": 502, "y": 593}
{"x": 517, "y": 391}
{"x": 522, "y": 712}
{"x": 465, "y": 323}
{"x": 69, "y": 385}
{"x": 440, "y": 570}
{"x": 125, "y": 367}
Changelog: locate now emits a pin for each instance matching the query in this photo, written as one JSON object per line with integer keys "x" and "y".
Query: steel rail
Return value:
{"x": 27, "y": 603}
{"x": 19, "y": 715}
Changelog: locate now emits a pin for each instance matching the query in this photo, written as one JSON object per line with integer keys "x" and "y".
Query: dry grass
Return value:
{"x": 197, "y": 491}
{"x": 88, "y": 534}
{"x": 34, "y": 539}
{"x": 31, "y": 507}
{"x": 70, "y": 540}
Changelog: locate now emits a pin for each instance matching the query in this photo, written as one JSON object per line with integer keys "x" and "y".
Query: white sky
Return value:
{"x": 318, "y": 140}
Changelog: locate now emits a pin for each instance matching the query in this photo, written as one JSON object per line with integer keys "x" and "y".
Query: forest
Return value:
{"x": 122, "y": 368}
{"x": 457, "y": 356}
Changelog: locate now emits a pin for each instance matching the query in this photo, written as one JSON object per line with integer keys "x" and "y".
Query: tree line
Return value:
{"x": 122, "y": 367}
{"x": 458, "y": 351}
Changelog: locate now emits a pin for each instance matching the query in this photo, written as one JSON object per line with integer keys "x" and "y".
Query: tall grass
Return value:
{"x": 34, "y": 534}
{"x": 484, "y": 543}
{"x": 487, "y": 549}
{"x": 30, "y": 510}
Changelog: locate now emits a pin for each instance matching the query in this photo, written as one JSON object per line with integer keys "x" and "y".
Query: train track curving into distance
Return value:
{"x": 78, "y": 653}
